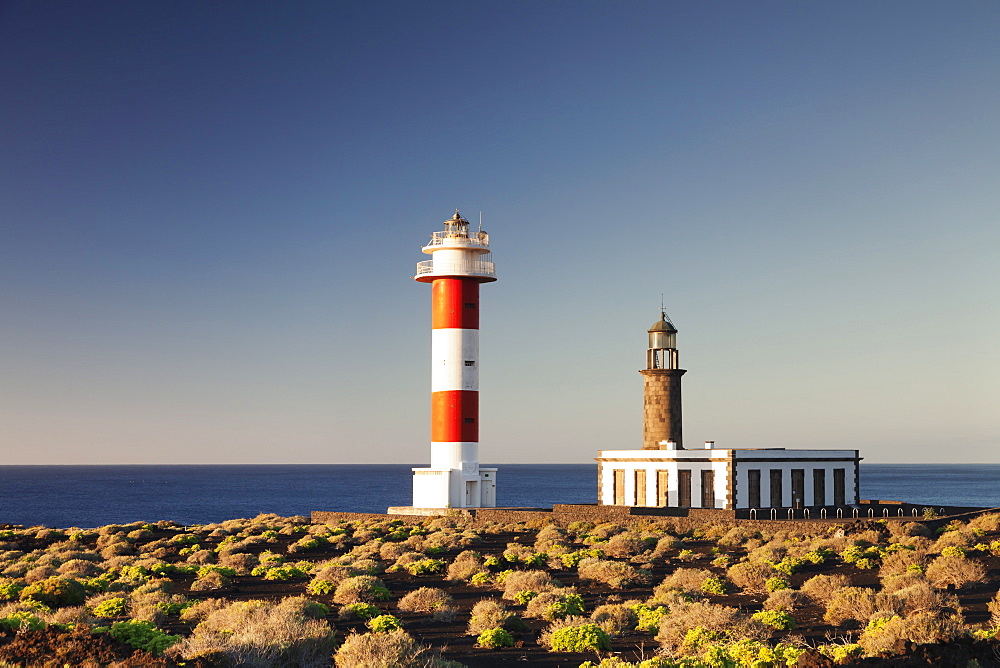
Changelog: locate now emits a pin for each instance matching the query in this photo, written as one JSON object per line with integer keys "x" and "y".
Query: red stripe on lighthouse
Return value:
{"x": 455, "y": 303}
{"x": 455, "y": 416}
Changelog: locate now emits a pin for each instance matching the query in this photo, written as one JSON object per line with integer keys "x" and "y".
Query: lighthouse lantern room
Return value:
{"x": 460, "y": 262}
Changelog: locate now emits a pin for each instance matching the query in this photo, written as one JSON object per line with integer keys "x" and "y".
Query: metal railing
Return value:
{"x": 469, "y": 268}
{"x": 480, "y": 239}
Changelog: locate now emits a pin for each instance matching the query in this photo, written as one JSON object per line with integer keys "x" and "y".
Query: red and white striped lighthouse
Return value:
{"x": 459, "y": 262}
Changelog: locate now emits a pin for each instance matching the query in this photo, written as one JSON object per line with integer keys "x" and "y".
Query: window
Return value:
{"x": 470, "y": 420}
{"x": 470, "y": 305}
{"x": 470, "y": 362}
{"x": 753, "y": 480}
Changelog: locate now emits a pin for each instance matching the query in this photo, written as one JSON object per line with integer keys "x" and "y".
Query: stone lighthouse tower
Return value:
{"x": 662, "y": 389}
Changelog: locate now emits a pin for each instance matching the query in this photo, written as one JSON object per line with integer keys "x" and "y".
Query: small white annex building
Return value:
{"x": 665, "y": 474}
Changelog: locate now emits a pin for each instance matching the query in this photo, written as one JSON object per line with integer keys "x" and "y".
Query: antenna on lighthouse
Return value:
{"x": 480, "y": 221}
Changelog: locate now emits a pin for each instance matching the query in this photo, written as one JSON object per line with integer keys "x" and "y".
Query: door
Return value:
{"x": 662, "y": 485}
{"x": 684, "y": 488}
{"x": 776, "y": 488}
{"x": 619, "y": 487}
{"x": 798, "y": 488}
{"x": 708, "y": 489}
{"x": 640, "y": 487}
{"x": 839, "y": 495}
{"x": 819, "y": 487}
{"x": 753, "y": 485}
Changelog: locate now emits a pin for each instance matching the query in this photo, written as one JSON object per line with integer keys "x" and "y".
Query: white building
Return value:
{"x": 665, "y": 474}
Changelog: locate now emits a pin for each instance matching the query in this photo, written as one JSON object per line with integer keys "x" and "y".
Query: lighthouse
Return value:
{"x": 662, "y": 389}
{"x": 460, "y": 262}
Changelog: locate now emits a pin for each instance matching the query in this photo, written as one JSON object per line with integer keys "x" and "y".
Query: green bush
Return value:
{"x": 384, "y": 624}
{"x": 841, "y": 653}
{"x": 221, "y": 570}
{"x": 55, "y": 592}
{"x": 567, "y": 605}
{"x": 495, "y": 639}
{"x": 776, "y": 619}
{"x": 363, "y": 611}
{"x": 481, "y": 579}
{"x": 22, "y": 621}
{"x": 142, "y": 635}
{"x": 776, "y": 584}
{"x": 649, "y": 617}
{"x": 953, "y": 551}
{"x": 713, "y": 585}
{"x": 321, "y": 587}
{"x": 425, "y": 567}
{"x": 111, "y": 607}
{"x": 524, "y": 597}
{"x": 284, "y": 573}
{"x": 10, "y": 589}
{"x": 583, "y": 638}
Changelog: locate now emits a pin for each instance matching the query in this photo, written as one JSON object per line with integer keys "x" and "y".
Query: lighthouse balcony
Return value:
{"x": 480, "y": 268}
{"x": 459, "y": 240}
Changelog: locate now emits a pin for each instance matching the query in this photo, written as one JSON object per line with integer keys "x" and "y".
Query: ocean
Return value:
{"x": 90, "y": 496}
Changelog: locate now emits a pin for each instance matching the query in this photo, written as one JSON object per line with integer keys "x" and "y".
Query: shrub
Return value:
{"x": 615, "y": 618}
{"x": 21, "y": 621}
{"x": 516, "y": 581}
{"x": 552, "y": 605}
{"x": 142, "y": 635}
{"x": 648, "y": 617}
{"x": 615, "y": 574}
{"x": 425, "y": 599}
{"x": 713, "y": 585}
{"x": 384, "y": 624}
{"x": 776, "y": 619}
{"x": 261, "y": 633}
{"x": 820, "y": 588}
{"x": 10, "y": 589}
{"x": 363, "y": 611}
{"x": 361, "y": 589}
{"x": 111, "y": 607}
{"x": 488, "y": 614}
{"x": 573, "y": 559}
{"x": 684, "y": 579}
{"x": 785, "y": 599}
{"x": 858, "y": 603}
{"x": 495, "y": 639}
{"x": 321, "y": 587}
{"x": 211, "y": 581}
{"x": 841, "y": 653}
{"x": 889, "y": 634}
{"x": 524, "y": 597}
{"x": 957, "y": 571}
{"x": 55, "y": 592}
{"x": 284, "y": 573}
{"x": 582, "y": 638}
{"x": 425, "y": 567}
{"x": 776, "y": 583}
{"x": 714, "y": 620}
{"x": 751, "y": 576}
{"x": 397, "y": 649}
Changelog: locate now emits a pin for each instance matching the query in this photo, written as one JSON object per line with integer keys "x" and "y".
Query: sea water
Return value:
{"x": 90, "y": 496}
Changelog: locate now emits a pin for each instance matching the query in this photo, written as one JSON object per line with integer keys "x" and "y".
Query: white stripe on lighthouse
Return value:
{"x": 454, "y": 359}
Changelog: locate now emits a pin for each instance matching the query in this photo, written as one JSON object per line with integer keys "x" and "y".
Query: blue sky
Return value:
{"x": 211, "y": 214}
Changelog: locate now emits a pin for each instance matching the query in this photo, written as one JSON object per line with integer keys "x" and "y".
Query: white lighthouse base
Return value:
{"x": 445, "y": 488}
